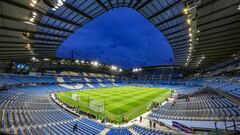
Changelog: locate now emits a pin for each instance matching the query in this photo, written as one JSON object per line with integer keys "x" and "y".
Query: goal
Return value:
{"x": 75, "y": 97}
{"x": 96, "y": 105}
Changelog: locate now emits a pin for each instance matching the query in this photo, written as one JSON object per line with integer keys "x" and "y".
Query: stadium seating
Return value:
{"x": 200, "y": 107}
{"x": 29, "y": 109}
{"x": 119, "y": 131}
{"x": 146, "y": 131}
{"x": 226, "y": 84}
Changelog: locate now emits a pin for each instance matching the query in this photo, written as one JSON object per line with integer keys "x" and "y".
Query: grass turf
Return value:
{"x": 127, "y": 101}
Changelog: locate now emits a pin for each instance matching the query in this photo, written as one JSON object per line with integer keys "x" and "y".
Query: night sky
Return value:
{"x": 122, "y": 37}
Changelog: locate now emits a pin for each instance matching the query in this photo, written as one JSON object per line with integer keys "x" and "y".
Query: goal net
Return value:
{"x": 75, "y": 97}
{"x": 96, "y": 106}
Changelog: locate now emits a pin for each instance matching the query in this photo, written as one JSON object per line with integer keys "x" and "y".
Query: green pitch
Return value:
{"x": 128, "y": 101}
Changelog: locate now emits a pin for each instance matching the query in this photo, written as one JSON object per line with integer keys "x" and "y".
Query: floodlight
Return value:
{"x": 31, "y": 19}
{"x": 34, "y": 13}
{"x": 94, "y": 63}
{"x": 46, "y": 59}
{"x": 189, "y": 21}
{"x": 113, "y": 67}
{"x": 34, "y": 1}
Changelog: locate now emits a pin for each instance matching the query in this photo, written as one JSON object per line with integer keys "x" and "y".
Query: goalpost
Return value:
{"x": 96, "y": 105}
{"x": 75, "y": 97}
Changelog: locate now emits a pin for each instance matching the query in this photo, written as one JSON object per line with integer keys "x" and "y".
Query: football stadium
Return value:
{"x": 120, "y": 67}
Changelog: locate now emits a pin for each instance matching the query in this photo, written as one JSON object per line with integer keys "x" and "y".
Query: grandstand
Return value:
{"x": 195, "y": 92}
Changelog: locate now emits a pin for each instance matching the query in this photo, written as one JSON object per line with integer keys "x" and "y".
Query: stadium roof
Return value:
{"x": 206, "y": 33}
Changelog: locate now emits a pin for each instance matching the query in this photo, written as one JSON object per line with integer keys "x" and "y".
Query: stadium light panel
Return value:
{"x": 31, "y": 4}
{"x": 34, "y": 2}
{"x": 28, "y": 46}
{"x": 113, "y": 67}
{"x": 136, "y": 69}
{"x": 46, "y": 59}
{"x": 95, "y": 63}
{"x": 31, "y": 19}
{"x": 185, "y": 10}
{"x": 34, "y": 59}
{"x": 34, "y": 13}
{"x": 189, "y": 21}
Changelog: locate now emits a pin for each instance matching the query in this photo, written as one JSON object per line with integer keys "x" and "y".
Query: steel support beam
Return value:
{"x": 177, "y": 2}
{"x": 14, "y": 3}
{"x": 33, "y": 32}
{"x": 34, "y": 23}
{"x": 170, "y": 19}
{"x": 69, "y": 6}
{"x": 101, "y": 4}
{"x": 144, "y": 4}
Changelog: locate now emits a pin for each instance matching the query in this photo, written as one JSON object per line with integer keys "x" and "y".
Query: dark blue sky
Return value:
{"x": 122, "y": 37}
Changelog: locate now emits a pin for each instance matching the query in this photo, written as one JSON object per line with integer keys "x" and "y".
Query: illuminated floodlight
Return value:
{"x": 189, "y": 21}
{"x": 113, "y": 67}
{"x": 31, "y": 19}
{"x": 46, "y": 59}
{"x": 82, "y": 61}
{"x": 34, "y": 1}
{"x": 95, "y": 63}
{"x": 34, "y": 59}
{"x": 28, "y": 46}
{"x": 34, "y": 13}
{"x": 77, "y": 61}
{"x": 31, "y": 4}
{"x": 185, "y": 10}
{"x": 120, "y": 70}
{"x": 137, "y": 69}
